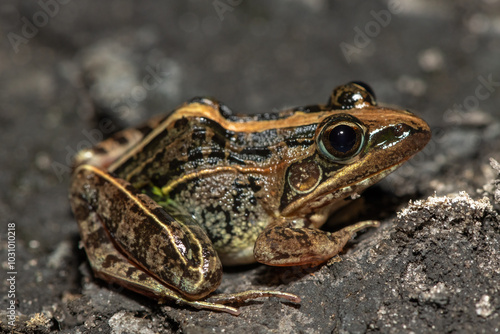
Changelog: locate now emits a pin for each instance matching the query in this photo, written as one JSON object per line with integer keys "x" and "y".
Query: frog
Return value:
{"x": 161, "y": 208}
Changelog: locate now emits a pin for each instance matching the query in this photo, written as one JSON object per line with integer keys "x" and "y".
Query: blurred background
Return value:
{"x": 73, "y": 72}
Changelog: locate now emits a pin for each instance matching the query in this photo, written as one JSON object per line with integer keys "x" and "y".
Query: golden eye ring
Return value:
{"x": 341, "y": 140}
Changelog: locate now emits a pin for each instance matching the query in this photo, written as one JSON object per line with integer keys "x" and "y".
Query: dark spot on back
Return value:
{"x": 181, "y": 123}
{"x": 253, "y": 184}
{"x": 120, "y": 139}
{"x": 109, "y": 260}
{"x": 100, "y": 150}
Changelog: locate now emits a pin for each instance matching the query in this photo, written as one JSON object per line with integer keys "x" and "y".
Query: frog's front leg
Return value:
{"x": 285, "y": 245}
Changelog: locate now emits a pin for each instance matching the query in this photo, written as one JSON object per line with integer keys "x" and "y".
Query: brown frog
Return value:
{"x": 162, "y": 207}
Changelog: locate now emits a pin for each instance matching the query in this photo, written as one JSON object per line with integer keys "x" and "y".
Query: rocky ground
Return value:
{"x": 73, "y": 72}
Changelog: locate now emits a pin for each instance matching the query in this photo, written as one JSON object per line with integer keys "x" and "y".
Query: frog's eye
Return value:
{"x": 355, "y": 94}
{"x": 341, "y": 140}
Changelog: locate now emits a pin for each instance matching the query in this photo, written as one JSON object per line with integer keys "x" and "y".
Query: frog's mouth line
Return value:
{"x": 367, "y": 182}
{"x": 329, "y": 200}
{"x": 321, "y": 213}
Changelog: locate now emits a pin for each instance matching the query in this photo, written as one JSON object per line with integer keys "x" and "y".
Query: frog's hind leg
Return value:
{"x": 111, "y": 266}
{"x": 175, "y": 254}
{"x": 108, "y": 261}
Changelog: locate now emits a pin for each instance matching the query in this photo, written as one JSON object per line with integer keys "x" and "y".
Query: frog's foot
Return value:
{"x": 203, "y": 305}
{"x": 233, "y": 298}
{"x": 215, "y": 303}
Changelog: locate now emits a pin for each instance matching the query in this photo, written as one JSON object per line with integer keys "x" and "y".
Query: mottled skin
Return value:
{"x": 158, "y": 206}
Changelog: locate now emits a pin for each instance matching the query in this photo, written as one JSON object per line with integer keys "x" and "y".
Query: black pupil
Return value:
{"x": 342, "y": 138}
